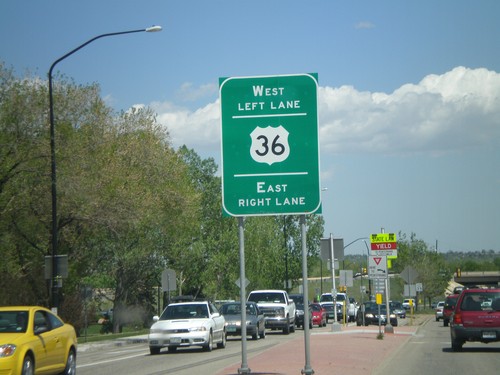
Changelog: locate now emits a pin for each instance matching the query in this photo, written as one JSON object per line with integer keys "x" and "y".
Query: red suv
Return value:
{"x": 476, "y": 317}
{"x": 449, "y": 305}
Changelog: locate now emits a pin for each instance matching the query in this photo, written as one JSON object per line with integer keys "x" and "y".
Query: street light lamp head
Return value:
{"x": 153, "y": 29}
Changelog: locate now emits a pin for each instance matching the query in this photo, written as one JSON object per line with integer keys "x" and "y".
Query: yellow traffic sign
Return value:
{"x": 383, "y": 238}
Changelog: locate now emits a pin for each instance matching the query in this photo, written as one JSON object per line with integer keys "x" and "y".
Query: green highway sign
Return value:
{"x": 270, "y": 152}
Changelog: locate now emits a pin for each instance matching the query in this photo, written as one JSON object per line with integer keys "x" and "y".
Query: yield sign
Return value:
{"x": 377, "y": 267}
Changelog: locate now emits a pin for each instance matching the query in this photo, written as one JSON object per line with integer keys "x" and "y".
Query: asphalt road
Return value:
{"x": 135, "y": 359}
{"x": 429, "y": 352}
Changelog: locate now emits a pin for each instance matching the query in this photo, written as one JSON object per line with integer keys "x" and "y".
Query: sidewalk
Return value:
{"x": 354, "y": 351}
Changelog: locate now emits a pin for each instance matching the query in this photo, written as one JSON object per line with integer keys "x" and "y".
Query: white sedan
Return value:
{"x": 187, "y": 324}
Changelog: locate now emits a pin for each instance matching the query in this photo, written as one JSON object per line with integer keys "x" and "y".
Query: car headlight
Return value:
{"x": 392, "y": 315}
{"x": 369, "y": 315}
{"x": 7, "y": 350}
{"x": 197, "y": 329}
{"x": 300, "y": 312}
{"x": 249, "y": 322}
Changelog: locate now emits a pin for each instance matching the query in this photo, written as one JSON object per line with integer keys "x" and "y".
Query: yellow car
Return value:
{"x": 33, "y": 340}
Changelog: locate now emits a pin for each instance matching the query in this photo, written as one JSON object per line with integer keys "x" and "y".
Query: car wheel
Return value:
{"x": 222, "y": 344}
{"x": 292, "y": 328}
{"x": 286, "y": 329}
{"x": 445, "y": 322}
{"x": 210, "y": 344}
{"x": 70, "y": 364}
{"x": 154, "y": 350}
{"x": 456, "y": 345}
{"x": 28, "y": 366}
{"x": 263, "y": 334}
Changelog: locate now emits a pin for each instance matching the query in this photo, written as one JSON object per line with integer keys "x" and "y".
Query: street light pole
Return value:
{"x": 54, "y": 230}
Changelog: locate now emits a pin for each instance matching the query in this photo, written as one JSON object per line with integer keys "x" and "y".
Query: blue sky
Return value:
{"x": 409, "y": 96}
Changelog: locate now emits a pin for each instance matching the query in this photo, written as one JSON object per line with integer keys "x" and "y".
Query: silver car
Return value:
{"x": 187, "y": 324}
{"x": 255, "y": 321}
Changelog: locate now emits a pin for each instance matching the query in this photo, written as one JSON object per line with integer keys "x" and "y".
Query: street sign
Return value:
{"x": 270, "y": 152}
{"x": 377, "y": 267}
{"x": 345, "y": 278}
{"x": 326, "y": 251}
{"x": 168, "y": 280}
{"x": 384, "y": 244}
{"x": 238, "y": 282}
{"x": 409, "y": 274}
{"x": 383, "y": 237}
{"x": 378, "y": 286}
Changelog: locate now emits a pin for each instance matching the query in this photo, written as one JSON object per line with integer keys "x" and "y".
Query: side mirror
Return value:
{"x": 156, "y": 318}
{"x": 215, "y": 315}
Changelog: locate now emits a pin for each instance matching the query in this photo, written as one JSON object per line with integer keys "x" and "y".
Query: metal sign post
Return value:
{"x": 244, "y": 369}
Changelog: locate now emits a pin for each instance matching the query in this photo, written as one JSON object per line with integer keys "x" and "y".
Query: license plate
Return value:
{"x": 231, "y": 329}
{"x": 175, "y": 340}
{"x": 489, "y": 335}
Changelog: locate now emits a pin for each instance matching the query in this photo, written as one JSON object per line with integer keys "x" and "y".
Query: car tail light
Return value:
{"x": 457, "y": 318}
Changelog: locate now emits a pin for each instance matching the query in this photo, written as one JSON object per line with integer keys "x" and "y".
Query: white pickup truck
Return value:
{"x": 277, "y": 307}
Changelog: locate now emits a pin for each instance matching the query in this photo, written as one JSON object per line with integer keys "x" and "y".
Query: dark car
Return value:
{"x": 476, "y": 317}
{"x": 330, "y": 312}
{"x": 298, "y": 299}
{"x": 449, "y": 306}
{"x": 299, "y": 315}
{"x": 254, "y": 320}
{"x": 398, "y": 309}
{"x": 369, "y": 314}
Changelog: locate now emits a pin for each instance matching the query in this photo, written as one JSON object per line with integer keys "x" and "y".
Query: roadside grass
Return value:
{"x": 93, "y": 333}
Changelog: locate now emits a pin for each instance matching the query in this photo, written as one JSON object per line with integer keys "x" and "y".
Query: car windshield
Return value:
{"x": 396, "y": 305}
{"x": 185, "y": 311}
{"x": 316, "y": 307}
{"x": 13, "y": 321}
{"x": 235, "y": 309}
{"x": 373, "y": 307}
{"x": 450, "y": 303}
{"x": 326, "y": 297}
{"x": 266, "y": 297}
{"x": 340, "y": 297}
{"x": 297, "y": 298}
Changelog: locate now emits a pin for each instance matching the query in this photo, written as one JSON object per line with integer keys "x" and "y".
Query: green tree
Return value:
{"x": 430, "y": 266}
{"x": 124, "y": 196}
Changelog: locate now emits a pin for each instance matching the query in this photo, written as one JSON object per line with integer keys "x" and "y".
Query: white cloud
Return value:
{"x": 442, "y": 113}
{"x": 364, "y": 25}
{"x": 189, "y": 93}
{"x": 199, "y": 130}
